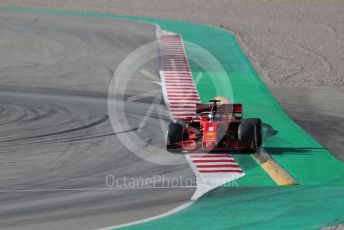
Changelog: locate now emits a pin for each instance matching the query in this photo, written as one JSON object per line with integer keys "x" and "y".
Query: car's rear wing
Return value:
{"x": 201, "y": 108}
{"x": 224, "y": 108}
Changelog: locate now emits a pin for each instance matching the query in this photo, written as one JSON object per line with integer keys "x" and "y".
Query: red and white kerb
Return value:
{"x": 180, "y": 89}
{"x": 214, "y": 163}
{"x": 181, "y": 96}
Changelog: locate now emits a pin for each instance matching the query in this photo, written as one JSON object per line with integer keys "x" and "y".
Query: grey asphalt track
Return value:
{"x": 291, "y": 43}
{"x": 56, "y": 142}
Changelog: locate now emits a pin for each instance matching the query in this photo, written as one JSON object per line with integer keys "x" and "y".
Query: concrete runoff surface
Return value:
{"x": 291, "y": 43}
{"x": 319, "y": 110}
{"x": 57, "y": 144}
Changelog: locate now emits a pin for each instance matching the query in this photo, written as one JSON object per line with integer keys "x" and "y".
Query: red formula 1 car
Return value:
{"x": 217, "y": 127}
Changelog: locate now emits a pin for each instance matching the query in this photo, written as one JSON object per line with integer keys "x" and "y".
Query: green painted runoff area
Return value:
{"x": 257, "y": 203}
{"x": 292, "y": 207}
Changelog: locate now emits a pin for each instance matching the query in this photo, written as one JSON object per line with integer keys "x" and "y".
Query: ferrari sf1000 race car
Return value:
{"x": 216, "y": 127}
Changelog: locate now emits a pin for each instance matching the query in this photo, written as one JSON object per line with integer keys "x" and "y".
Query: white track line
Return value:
{"x": 175, "y": 210}
{"x": 159, "y": 32}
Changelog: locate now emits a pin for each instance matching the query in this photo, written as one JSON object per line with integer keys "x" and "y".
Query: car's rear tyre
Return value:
{"x": 258, "y": 124}
{"x": 246, "y": 131}
{"x": 174, "y": 135}
{"x": 250, "y": 130}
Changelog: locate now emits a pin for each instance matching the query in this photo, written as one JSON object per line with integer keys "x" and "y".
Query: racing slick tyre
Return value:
{"x": 174, "y": 135}
{"x": 258, "y": 124}
{"x": 250, "y": 130}
{"x": 246, "y": 131}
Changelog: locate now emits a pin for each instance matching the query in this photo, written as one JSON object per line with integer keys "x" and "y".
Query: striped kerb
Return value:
{"x": 182, "y": 95}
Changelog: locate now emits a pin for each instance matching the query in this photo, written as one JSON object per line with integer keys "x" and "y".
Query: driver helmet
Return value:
{"x": 223, "y": 100}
